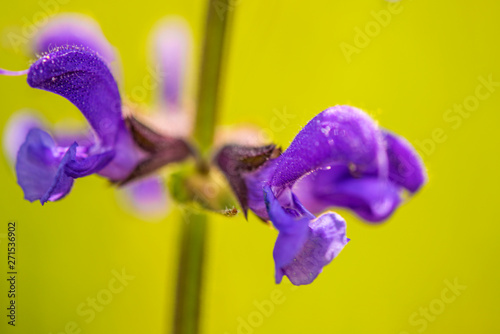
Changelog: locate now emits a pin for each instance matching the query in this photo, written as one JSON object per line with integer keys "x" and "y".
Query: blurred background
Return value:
{"x": 432, "y": 267}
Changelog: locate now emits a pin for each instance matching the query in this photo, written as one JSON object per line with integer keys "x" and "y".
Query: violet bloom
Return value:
{"x": 120, "y": 150}
{"x": 341, "y": 158}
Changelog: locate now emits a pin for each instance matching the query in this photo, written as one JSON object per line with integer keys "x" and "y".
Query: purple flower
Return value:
{"x": 171, "y": 48}
{"x": 146, "y": 198}
{"x": 121, "y": 150}
{"x": 341, "y": 158}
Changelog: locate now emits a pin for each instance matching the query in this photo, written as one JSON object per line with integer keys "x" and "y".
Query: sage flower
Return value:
{"x": 341, "y": 158}
{"x": 46, "y": 167}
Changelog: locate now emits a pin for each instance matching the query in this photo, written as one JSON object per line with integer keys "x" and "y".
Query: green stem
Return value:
{"x": 208, "y": 85}
{"x": 190, "y": 274}
{"x": 194, "y": 229}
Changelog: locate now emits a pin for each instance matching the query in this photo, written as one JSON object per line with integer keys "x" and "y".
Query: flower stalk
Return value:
{"x": 210, "y": 73}
{"x": 194, "y": 226}
{"x": 190, "y": 273}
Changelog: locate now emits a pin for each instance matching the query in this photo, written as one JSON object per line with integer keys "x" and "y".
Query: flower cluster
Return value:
{"x": 341, "y": 158}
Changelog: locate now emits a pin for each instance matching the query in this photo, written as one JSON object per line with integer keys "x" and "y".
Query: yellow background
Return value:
{"x": 285, "y": 54}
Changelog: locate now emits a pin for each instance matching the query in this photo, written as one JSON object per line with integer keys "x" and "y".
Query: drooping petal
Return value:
{"x": 293, "y": 232}
{"x": 327, "y": 237}
{"x": 171, "y": 42}
{"x": 71, "y": 29}
{"x": 341, "y": 135}
{"x": 405, "y": 165}
{"x": 16, "y": 130}
{"x": 40, "y": 167}
{"x": 305, "y": 244}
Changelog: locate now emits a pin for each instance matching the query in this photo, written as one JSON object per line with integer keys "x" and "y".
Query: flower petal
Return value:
{"x": 406, "y": 168}
{"x": 128, "y": 156}
{"x": 293, "y": 232}
{"x": 88, "y": 164}
{"x": 171, "y": 41}
{"x": 305, "y": 244}
{"x": 71, "y": 29}
{"x": 372, "y": 198}
{"x": 327, "y": 237}
{"x": 145, "y": 198}
{"x": 83, "y": 78}
{"x": 339, "y": 135}
{"x": 40, "y": 168}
